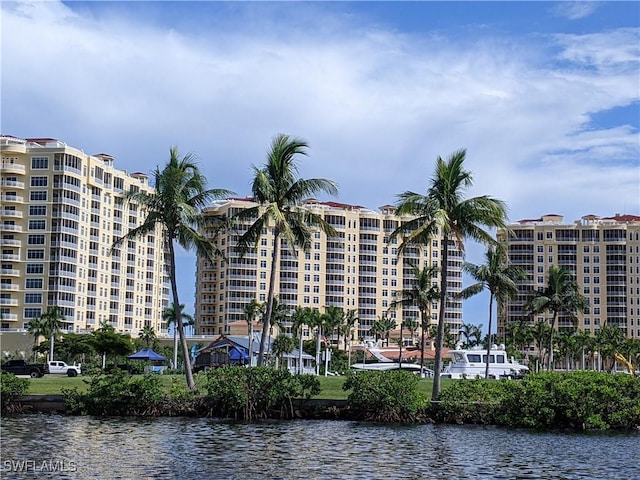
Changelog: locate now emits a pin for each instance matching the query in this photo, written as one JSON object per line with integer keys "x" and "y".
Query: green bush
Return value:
{"x": 385, "y": 396}
{"x": 11, "y": 388}
{"x": 579, "y": 401}
{"x": 259, "y": 392}
{"x": 117, "y": 393}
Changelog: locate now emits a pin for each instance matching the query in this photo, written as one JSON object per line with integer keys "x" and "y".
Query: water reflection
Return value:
{"x": 181, "y": 448}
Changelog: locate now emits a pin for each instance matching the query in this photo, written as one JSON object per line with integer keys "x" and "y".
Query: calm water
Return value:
{"x": 177, "y": 448}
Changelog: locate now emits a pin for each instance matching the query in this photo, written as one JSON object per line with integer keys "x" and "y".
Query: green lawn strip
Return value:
{"x": 331, "y": 386}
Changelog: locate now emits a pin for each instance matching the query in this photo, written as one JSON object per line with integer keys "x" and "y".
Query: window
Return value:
{"x": 38, "y": 195}
{"x": 32, "y": 298}
{"x": 32, "y": 312}
{"x": 39, "y": 181}
{"x": 39, "y": 162}
{"x": 35, "y": 268}
{"x": 35, "y": 239}
{"x": 37, "y": 225}
{"x": 33, "y": 283}
{"x": 35, "y": 254}
{"x": 36, "y": 210}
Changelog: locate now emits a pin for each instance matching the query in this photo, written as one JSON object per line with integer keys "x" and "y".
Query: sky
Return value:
{"x": 544, "y": 96}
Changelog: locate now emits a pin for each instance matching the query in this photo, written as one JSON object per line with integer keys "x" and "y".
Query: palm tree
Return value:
{"x": 37, "y": 328}
{"x": 169, "y": 316}
{"x": 279, "y": 194}
{"x": 384, "y": 325}
{"x": 422, "y": 294}
{"x": 610, "y": 339}
{"x": 252, "y": 310}
{"x": 175, "y": 206}
{"x": 281, "y": 345}
{"x": 561, "y": 295}
{"x": 350, "y": 319}
{"x": 541, "y": 333}
{"x": 51, "y": 325}
{"x": 499, "y": 277}
{"x": 300, "y": 317}
{"x": 445, "y": 211}
{"x": 147, "y": 335}
{"x": 333, "y": 320}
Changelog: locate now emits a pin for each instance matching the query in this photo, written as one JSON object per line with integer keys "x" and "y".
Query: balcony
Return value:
{"x": 10, "y": 256}
{"x": 8, "y": 167}
{"x": 11, "y": 184}
{"x": 10, "y": 272}
{"x": 9, "y": 301}
{"x": 5, "y": 212}
{"x": 5, "y": 242}
{"x": 10, "y": 228}
{"x": 9, "y": 316}
{"x": 8, "y": 286}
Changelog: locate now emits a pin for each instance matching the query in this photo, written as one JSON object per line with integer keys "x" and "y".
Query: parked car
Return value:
{"x": 22, "y": 367}
{"x": 61, "y": 368}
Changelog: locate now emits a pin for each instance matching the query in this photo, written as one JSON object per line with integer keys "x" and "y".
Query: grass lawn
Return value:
{"x": 331, "y": 386}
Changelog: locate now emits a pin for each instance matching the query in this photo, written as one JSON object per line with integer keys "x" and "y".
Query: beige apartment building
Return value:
{"x": 602, "y": 253}
{"x": 60, "y": 212}
{"x": 358, "y": 269}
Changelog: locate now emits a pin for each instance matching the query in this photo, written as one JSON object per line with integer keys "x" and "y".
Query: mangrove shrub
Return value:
{"x": 11, "y": 388}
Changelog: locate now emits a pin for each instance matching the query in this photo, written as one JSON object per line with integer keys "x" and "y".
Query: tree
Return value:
{"x": 169, "y": 316}
{"x": 384, "y": 325}
{"x": 422, "y": 294}
{"x": 497, "y": 276}
{"x": 350, "y": 319}
{"x": 541, "y": 333}
{"x": 281, "y": 345}
{"x": 107, "y": 341}
{"x": 279, "y": 195}
{"x": 51, "y": 325}
{"x": 560, "y": 295}
{"x": 300, "y": 317}
{"x": 175, "y": 206}
{"x": 445, "y": 211}
{"x": 252, "y": 310}
{"x": 333, "y": 319}
{"x": 472, "y": 335}
{"x": 37, "y": 328}
{"x": 610, "y": 339}
{"x": 147, "y": 335}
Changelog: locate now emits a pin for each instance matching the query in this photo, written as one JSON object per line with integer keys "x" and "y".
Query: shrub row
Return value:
{"x": 578, "y": 401}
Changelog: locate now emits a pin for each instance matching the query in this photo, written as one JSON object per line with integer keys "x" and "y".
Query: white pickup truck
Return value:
{"x": 62, "y": 368}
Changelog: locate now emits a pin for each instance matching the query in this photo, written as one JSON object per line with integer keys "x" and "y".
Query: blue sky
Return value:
{"x": 545, "y": 96}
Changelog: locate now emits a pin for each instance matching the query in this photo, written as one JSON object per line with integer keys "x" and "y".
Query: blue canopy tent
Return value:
{"x": 148, "y": 355}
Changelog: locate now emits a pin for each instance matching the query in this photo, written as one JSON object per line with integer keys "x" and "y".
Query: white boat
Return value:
{"x": 387, "y": 366}
{"x": 472, "y": 364}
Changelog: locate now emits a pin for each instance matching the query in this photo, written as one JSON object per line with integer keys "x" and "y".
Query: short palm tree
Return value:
{"x": 444, "y": 211}
{"x": 175, "y": 207}
{"x": 423, "y": 293}
{"x": 561, "y": 295}
{"x": 252, "y": 310}
{"x": 279, "y": 194}
{"x": 497, "y": 276}
{"x": 350, "y": 319}
{"x": 147, "y": 335}
{"x": 51, "y": 325}
{"x": 169, "y": 316}
{"x": 541, "y": 334}
{"x": 37, "y": 329}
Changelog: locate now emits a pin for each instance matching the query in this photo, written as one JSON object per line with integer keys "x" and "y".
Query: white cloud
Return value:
{"x": 575, "y": 10}
{"x": 376, "y": 106}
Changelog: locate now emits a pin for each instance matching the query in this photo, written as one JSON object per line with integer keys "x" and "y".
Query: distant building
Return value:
{"x": 60, "y": 212}
{"x": 359, "y": 269}
{"x": 602, "y": 253}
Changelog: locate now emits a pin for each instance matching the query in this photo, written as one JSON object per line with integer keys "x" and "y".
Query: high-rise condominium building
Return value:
{"x": 61, "y": 211}
{"x": 358, "y": 269}
{"x": 603, "y": 254}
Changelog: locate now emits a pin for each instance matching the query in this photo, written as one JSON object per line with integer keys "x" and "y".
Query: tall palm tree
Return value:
{"x": 350, "y": 319}
{"x": 175, "y": 206}
{"x": 333, "y": 320}
{"x": 560, "y": 295}
{"x": 169, "y": 316}
{"x": 51, "y": 325}
{"x": 422, "y": 294}
{"x": 541, "y": 333}
{"x": 279, "y": 194}
{"x": 300, "y": 317}
{"x": 445, "y": 211}
{"x": 497, "y": 276}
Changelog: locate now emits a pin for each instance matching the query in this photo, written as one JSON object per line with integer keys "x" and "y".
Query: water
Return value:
{"x": 42, "y": 446}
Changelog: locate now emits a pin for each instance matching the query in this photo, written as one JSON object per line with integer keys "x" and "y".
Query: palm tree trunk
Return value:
{"x": 178, "y": 315}
{"x": 553, "y": 322}
{"x": 486, "y": 370}
{"x": 51, "y": 340}
{"x": 272, "y": 284}
{"x": 443, "y": 306}
{"x": 422, "y": 327}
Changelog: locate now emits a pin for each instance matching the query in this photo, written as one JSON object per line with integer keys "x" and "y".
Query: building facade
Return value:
{"x": 603, "y": 254}
{"x": 61, "y": 211}
{"x": 358, "y": 269}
